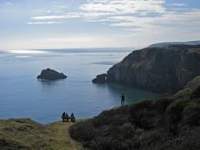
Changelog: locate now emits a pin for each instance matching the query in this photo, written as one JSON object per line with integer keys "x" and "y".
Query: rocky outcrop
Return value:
{"x": 49, "y": 74}
{"x": 100, "y": 79}
{"x": 159, "y": 69}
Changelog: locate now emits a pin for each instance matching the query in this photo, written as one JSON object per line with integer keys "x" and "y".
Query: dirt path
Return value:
{"x": 60, "y": 132}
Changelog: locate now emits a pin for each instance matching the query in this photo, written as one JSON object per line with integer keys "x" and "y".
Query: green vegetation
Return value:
{"x": 181, "y": 104}
{"x": 25, "y": 134}
{"x": 170, "y": 123}
{"x": 183, "y": 93}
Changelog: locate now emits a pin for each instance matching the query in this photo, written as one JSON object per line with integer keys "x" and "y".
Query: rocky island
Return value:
{"x": 163, "y": 68}
{"x": 50, "y": 74}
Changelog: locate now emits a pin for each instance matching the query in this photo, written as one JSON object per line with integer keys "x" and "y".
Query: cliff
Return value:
{"x": 158, "y": 68}
{"x": 170, "y": 123}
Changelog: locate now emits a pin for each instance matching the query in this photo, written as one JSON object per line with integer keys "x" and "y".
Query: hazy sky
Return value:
{"x": 30, "y": 24}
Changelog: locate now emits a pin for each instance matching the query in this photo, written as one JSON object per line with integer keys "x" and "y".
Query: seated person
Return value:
{"x": 73, "y": 119}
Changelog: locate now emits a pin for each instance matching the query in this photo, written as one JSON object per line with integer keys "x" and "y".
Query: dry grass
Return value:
{"x": 25, "y": 134}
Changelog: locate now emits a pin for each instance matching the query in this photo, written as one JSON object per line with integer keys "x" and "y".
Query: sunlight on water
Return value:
{"x": 26, "y": 52}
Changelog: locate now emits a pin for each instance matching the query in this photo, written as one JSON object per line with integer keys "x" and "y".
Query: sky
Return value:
{"x": 49, "y": 24}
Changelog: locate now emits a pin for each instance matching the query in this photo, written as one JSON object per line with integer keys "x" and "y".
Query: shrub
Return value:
{"x": 83, "y": 131}
{"x": 196, "y": 93}
{"x": 191, "y": 115}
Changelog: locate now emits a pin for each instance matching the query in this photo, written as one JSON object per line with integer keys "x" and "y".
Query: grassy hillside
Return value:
{"x": 25, "y": 134}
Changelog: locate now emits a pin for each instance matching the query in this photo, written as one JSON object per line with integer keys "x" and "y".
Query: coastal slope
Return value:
{"x": 170, "y": 123}
{"x": 164, "y": 69}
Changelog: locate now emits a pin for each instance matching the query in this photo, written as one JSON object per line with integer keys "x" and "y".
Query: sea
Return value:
{"x": 23, "y": 96}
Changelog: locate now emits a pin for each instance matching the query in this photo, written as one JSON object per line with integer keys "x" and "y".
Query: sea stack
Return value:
{"x": 50, "y": 74}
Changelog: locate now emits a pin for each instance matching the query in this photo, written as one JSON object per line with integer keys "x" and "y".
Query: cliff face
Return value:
{"x": 159, "y": 69}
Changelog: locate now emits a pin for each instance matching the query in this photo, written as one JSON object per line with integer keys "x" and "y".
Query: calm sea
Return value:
{"x": 22, "y": 95}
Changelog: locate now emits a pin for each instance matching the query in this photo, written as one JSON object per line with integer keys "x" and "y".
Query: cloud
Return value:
{"x": 44, "y": 22}
{"x": 141, "y": 14}
{"x": 53, "y": 19}
{"x": 143, "y": 21}
{"x": 130, "y": 15}
{"x": 56, "y": 17}
{"x": 95, "y": 10}
{"x": 114, "y": 7}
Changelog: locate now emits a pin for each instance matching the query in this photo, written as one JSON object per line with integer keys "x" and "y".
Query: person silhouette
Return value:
{"x": 73, "y": 119}
{"x": 63, "y": 117}
{"x": 122, "y": 99}
{"x": 67, "y": 117}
